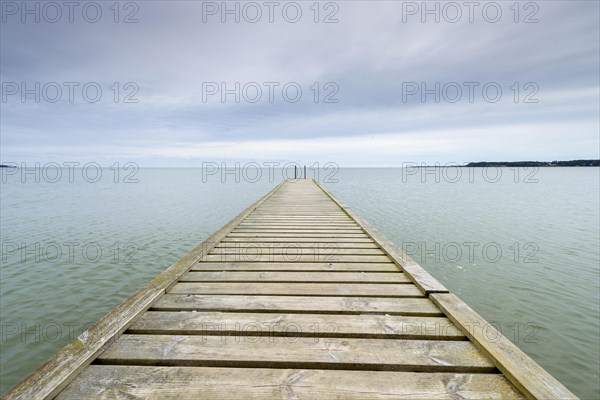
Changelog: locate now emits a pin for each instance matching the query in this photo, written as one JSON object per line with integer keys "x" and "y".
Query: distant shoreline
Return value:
{"x": 479, "y": 164}
{"x": 484, "y": 164}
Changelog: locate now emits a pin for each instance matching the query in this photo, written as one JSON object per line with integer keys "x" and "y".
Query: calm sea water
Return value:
{"x": 521, "y": 248}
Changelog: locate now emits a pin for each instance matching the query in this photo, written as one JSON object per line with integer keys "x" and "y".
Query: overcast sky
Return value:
{"x": 370, "y": 68}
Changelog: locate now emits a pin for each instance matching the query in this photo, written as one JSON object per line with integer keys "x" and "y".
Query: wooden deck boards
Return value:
{"x": 294, "y": 277}
{"x": 299, "y": 304}
{"x": 296, "y": 298}
{"x": 192, "y": 383}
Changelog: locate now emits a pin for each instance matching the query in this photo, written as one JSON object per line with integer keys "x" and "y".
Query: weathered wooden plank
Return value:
{"x": 298, "y": 200}
{"x": 292, "y": 250}
{"x": 295, "y": 201}
{"x": 298, "y": 304}
{"x": 299, "y": 230}
{"x": 299, "y": 227}
{"x": 340, "y": 213}
{"x": 306, "y": 221}
{"x": 303, "y": 289}
{"x": 298, "y": 196}
{"x": 294, "y": 258}
{"x": 284, "y": 209}
{"x": 371, "y": 267}
{"x": 517, "y": 366}
{"x": 298, "y": 218}
{"x": 286, "y": 214}
{"x": 318, "y": 325}
{"x": 301, "y": 218}
{"x": 295, "y": 195}
{"x": 296, "y": 227}
{"x": 308, "y": 352}
{"x": 323, "y": 277}
{"x": 299, "y": 221}
{"x": 287, "y": 205}
{"x": 300, "y": 235}
{"x": 302, "y": 222}
{"x": 104, "y": 382}
{"x": 252, "y": 251}
{"x": 422, "y": 278}
{"x": 299, "y": 240}
{"x": 307, "y": 245}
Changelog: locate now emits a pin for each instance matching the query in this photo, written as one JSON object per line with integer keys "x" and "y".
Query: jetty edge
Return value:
{"x": 369, "y": 322}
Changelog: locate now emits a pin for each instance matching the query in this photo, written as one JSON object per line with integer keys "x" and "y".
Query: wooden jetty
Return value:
{"x": 295, "y": 298}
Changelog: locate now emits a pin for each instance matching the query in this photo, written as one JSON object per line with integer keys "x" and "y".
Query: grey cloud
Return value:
{"x": 368, "y": 54}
